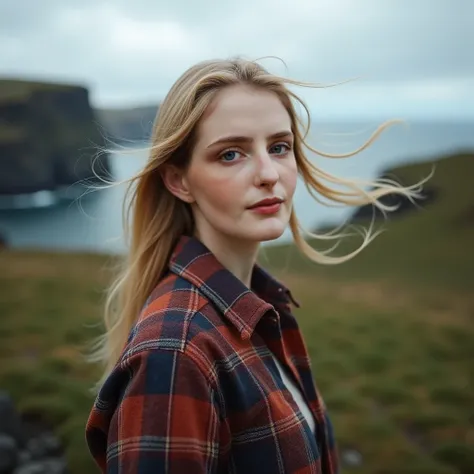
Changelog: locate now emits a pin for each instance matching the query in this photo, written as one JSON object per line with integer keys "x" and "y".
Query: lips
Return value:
{"x": 266, "y": 202}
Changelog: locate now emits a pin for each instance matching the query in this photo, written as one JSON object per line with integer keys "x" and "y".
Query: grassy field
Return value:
{"x": 391, "y": 334}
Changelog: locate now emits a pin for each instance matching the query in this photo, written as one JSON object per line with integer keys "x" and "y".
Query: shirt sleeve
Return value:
{"x": 166, "y": 420}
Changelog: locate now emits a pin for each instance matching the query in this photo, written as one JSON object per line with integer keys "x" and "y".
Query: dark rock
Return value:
{"x": 351, "y": 458}
{"x": 43, "y": 446}
{"x": 48, "y": 137}
{"x": 10, "y": 420}
{"x": 23, "y": 457}
{"x": 27, "y": 445}
{"x": 46, "y": 466}
{"x": 367, "y": 212}
{"x": 8, "y": 454}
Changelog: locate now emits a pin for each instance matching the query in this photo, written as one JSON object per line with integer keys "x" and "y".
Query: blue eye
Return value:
{"x": 229, "y": 155}
{"x": 280, "y": 149}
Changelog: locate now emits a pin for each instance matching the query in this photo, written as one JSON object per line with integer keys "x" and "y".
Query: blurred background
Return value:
{"x": 390, "y": 333}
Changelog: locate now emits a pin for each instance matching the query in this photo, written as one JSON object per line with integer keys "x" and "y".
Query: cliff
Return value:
{"x": 128, "y": 124}
{"x": 48, "y": 136}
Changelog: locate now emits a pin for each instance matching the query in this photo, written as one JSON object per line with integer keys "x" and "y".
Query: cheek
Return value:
{"x": 289, "y": 178}
{"x": 215, "y": 192}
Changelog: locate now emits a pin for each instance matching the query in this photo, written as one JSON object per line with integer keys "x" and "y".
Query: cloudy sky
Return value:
{"x": 411, "y": 58}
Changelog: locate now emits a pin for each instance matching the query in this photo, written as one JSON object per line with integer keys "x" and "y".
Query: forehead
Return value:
{"x": 243, "y": 110}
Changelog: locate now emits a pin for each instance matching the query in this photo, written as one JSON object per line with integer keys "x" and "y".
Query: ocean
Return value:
{"x": 93, "y": 221}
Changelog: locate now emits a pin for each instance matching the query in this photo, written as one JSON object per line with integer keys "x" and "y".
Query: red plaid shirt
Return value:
{"x": 197, "y": 389}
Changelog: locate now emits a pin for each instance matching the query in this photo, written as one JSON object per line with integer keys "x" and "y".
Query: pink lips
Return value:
{"x": 267, "y": 206}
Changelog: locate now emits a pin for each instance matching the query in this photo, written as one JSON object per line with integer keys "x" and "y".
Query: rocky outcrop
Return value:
{"x": 123, "y": 126}
{"x": 48, "y": 137}
{"x": 428, "y": 195}
{"x": 27, "y": 447}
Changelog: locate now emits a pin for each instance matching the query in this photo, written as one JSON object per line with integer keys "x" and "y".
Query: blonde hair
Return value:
{"x": 155, "y": 219}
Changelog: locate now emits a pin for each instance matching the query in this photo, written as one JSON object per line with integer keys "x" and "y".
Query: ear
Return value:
{"x": 176, "y": 183}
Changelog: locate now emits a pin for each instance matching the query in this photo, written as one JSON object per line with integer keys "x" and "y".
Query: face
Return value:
{"x": 242, "y": 173}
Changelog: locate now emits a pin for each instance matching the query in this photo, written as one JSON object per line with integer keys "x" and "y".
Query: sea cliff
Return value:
{"x": 49, "y": 137}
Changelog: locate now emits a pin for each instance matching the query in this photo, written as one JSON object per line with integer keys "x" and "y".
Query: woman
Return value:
{"x": 207, "y": 371}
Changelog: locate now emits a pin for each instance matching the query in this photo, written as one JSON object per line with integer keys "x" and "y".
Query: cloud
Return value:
{"x": 133, "y": 51}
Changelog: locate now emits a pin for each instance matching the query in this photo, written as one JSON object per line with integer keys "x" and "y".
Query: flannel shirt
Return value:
{"x": 197, "y": 390}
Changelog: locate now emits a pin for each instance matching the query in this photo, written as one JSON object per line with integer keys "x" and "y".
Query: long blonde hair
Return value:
{"x": 155, "y": 219}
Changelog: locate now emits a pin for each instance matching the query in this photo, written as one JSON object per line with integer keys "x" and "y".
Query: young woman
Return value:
{"x": 206, "y": 369}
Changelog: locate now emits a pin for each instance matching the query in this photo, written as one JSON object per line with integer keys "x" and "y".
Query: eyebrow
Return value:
{"x": 242, "y": 139}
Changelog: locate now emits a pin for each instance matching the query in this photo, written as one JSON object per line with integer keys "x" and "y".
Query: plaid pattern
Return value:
{"x": 197, "y": 390}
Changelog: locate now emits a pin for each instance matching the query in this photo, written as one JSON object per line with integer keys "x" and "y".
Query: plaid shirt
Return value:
{"x": 197, "y": 389}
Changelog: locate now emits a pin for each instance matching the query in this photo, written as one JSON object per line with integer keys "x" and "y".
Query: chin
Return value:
{"x": 268, "y": 231}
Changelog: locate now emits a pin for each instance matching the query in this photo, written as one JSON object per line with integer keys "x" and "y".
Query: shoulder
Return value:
{"x": 176, "y": 317}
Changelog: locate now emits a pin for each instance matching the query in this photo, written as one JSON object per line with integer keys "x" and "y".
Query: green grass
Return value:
{"x": 391, "y": 335}
{"x": 50, "y": 308}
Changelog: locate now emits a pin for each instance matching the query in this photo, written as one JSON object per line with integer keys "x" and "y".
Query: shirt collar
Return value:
{"x": 242, "y": 306}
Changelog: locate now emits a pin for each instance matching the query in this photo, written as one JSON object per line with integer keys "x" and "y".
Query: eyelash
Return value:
{"x": 285, "y": 144}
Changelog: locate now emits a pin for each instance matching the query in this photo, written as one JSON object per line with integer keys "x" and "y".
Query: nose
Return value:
{"x": 266, "y": 171}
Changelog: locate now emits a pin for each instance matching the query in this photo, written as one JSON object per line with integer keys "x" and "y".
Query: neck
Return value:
{"x": 236, "y": 256}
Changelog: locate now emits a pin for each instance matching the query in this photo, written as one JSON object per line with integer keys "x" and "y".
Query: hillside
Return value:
{"x": 390, "y": 335}
{"x": 429, "y": 246}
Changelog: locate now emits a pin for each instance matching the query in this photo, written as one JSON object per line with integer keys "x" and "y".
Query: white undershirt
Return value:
{"x": 296, "y": 393}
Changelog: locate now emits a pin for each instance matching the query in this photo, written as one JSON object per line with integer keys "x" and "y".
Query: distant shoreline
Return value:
{"x": 40, "y": 199}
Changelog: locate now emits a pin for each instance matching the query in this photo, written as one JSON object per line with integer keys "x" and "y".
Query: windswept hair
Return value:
{"x": 155, "y": 219}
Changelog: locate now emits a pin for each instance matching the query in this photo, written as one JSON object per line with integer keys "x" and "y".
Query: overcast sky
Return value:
{"x": 412, "y": 57}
